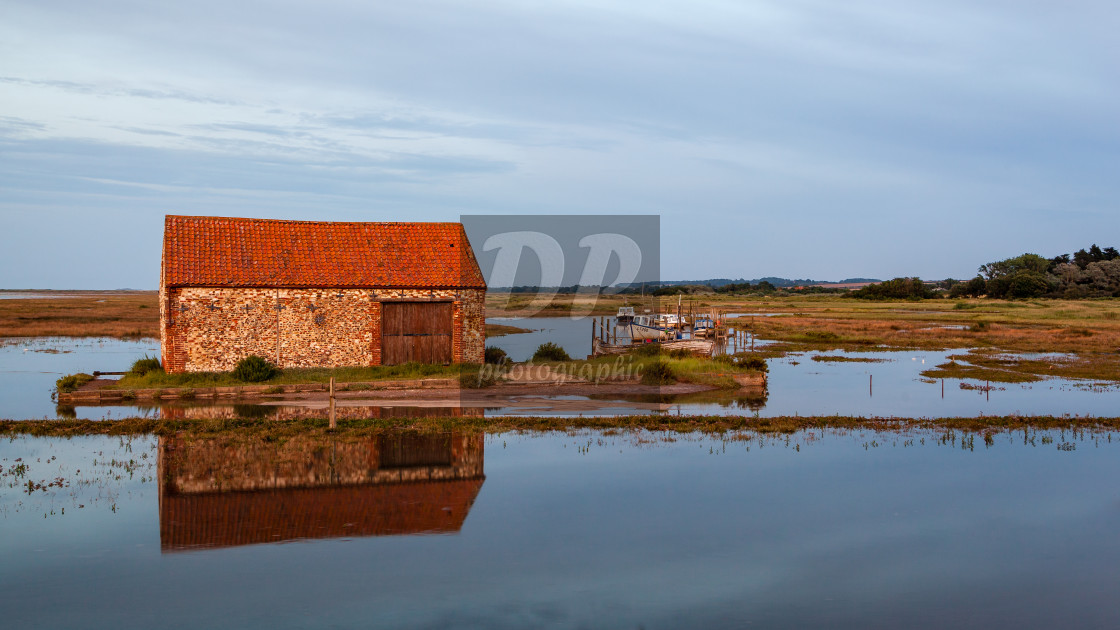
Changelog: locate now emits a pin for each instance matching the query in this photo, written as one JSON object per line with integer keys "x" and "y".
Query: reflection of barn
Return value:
{"x": 239, "y": 491}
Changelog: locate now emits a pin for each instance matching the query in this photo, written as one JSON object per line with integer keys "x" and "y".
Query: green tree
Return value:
{"x": 898, "y": 288}
{"x": 1011, "y": 266}
{"x": 1027, "y": 284}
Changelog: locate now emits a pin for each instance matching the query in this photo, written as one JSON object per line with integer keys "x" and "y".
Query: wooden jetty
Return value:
{"x": 607, "y": 339}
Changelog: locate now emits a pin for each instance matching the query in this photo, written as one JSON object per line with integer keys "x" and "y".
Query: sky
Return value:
{"x": 792, "y": 138}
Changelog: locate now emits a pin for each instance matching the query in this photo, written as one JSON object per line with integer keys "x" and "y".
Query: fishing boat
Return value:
{"x": 625, "y": 315}
{"x": 703, "y": 326}
{"x": 643, "y": 329}
{"x": 668, "y": 321}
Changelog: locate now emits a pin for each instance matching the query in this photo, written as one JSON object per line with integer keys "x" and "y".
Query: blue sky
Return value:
{"x": 796, "y": 138}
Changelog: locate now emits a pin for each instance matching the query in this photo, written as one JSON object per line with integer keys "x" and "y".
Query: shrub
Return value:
{"x": 71, "y": 383}
{"x": 254, "y": 369}
{"x": 743, "y": 361}
{"x": 658, "y": 373}
{"x": 145, "y": 365}
{"x": 648, "y": 350}
{"x": 549, "y": 351}
{"x": 495, "y": 356}
{"x": 187, "y": 394}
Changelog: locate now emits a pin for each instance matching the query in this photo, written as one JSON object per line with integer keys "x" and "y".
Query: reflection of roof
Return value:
{"x": 223, "y": 519}
{"x": 237, "y": 252}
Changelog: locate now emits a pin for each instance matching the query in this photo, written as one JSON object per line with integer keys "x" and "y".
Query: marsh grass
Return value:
{"x": 1085, "y": 366}
{"x": 955, "y": 370}
{"x": 142, "y": 366}
{"x": 124, "y": 315}
{"x": 273, "y": 429}
{"x": 831, "y": 322}
{"x": 823, "y": 358}
{"x": 72, "y": 382}
{"x": 501, "y": 330}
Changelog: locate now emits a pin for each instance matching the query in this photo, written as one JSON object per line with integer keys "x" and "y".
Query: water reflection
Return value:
{"x": 837, "y": 528}
{"x": 222, "y": 492}
{"x": 752, "y": 399}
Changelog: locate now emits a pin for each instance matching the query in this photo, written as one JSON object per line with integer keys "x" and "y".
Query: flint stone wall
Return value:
{"x": 210, "y": 329}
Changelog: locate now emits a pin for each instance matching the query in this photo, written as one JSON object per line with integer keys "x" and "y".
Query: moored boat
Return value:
{"x": 642, "y": 329}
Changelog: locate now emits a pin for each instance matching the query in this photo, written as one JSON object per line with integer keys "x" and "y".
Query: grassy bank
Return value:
{"x": 656, "y": 367}
{"x": 276, "y": 429}
{"x": 158, "y": 379}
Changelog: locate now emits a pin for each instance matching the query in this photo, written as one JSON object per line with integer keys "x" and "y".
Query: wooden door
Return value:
{"x": 415, "y": 331}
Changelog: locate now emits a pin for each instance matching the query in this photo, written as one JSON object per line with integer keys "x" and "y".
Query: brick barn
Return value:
{"x": 317, "y": 294}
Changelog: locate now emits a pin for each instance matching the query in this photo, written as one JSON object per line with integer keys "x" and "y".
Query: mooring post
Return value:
{"x": 334, "y": 421}
{"x": 870, "y": 382}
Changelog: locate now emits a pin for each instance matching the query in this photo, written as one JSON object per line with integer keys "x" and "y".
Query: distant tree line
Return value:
{"x": 1087, "y": 273}
{"x": 764, "y": 287}
{"x": 1094, "y": 272}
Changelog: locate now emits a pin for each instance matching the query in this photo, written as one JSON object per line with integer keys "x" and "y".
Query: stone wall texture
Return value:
{"x": 207, "y": 329}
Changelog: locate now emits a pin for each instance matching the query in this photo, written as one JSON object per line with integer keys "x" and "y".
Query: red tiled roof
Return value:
{"x": 235, "y": 252}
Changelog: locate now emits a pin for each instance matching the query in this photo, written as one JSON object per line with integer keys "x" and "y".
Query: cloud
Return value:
{"x": 841, "y": 130}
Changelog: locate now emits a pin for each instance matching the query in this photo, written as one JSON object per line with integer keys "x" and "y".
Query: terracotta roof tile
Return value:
{"x": 236, "y": 252}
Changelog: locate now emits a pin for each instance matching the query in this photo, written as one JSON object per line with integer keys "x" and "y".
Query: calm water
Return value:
{"x": 582, "y": 530}
{"x": 29, "y": 368}
{"x": 797, "y": 386}
{"x": 574, "y": 335}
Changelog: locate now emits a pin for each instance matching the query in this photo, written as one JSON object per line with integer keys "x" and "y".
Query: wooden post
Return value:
{"x": 334, "y": 421}
{"x": 870, "y": 380}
